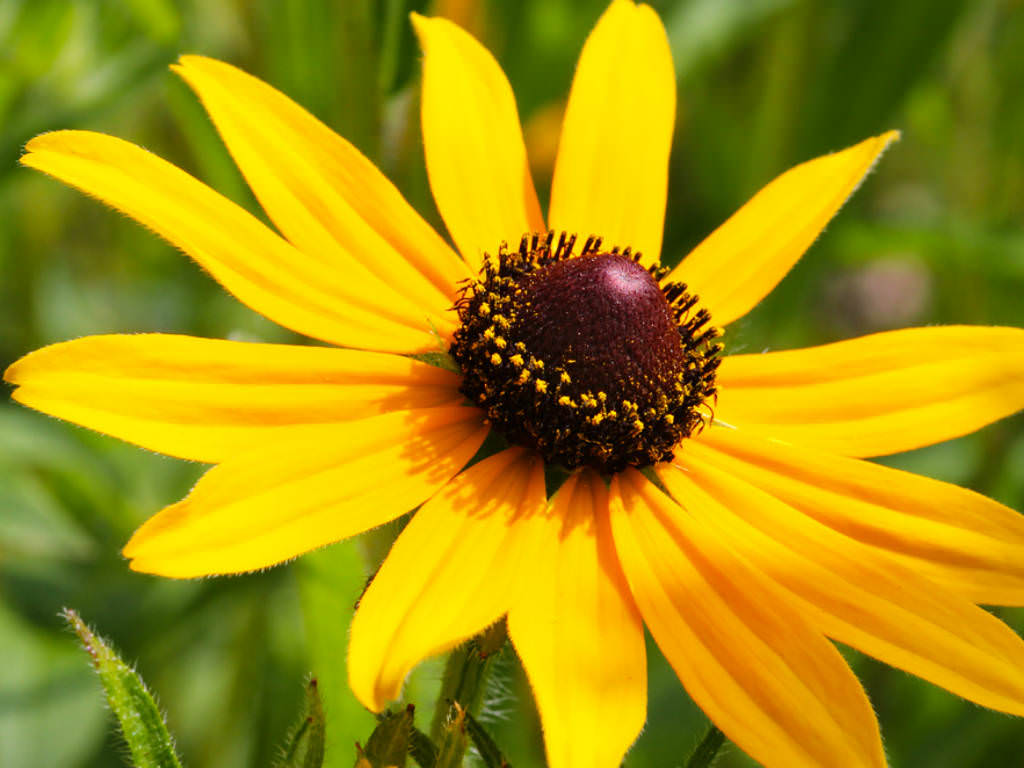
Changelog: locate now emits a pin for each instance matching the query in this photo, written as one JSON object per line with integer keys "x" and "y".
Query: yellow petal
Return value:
{"x": 742, "y": 260}
{"x": 476, "y": 159}
{"x": 450, "y": 573}
{"x": 263, "y": 271}
{"x": 611, "y": 175}
{"x": 878, "y": 394}
{"x": 579, "y": 634}
{"x": 331, "y": 482}
{"x": 206, "y": 399}
{"x": 958, "y": 538}
{"x": 323, "y": 194}
{"x": 857, "y": 596}
{"x": 738, "y": 642}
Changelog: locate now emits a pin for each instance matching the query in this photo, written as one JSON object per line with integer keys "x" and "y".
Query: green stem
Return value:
{"x": 704, "y": 755}
{"x": 465, "y": 675}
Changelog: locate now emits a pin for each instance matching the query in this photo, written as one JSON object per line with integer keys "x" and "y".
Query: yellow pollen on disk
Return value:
{"x": 522, "y": 333}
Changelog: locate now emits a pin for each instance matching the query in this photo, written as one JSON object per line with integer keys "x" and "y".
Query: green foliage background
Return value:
{"x": 933, "y": 236}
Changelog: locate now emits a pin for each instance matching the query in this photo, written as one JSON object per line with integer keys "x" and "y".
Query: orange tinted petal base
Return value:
{"x": 451, "y": 573}
{"x": 579, "y": 633}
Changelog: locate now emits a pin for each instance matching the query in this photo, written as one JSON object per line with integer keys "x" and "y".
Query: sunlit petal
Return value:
{"x": 207, "y": 399}
{"x": 451, "y": 573}
{"x": 322, "y": 193}
{"x": 746, "y": 655}
{"x": 742, "y": 260}
{"x": 879, "y": 394}
{"x": 579, "y": 634}
{"x": 260, "y": 268}
{"x": 476, "y": 158}
{"x": 855, "y": 594}
{"x": 960, "y": 539}
{"x": 323, "y": 485}
{"x": 611, "y": 174}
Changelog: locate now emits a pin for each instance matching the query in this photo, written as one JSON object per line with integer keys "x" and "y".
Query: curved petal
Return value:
{"x": 860, "y": 598}
{"x": 476, "y": 159}
{"x": 879, "y": 394}
{"x": 263, "y": 271}
{"x": 611, "y": 173}
{"x": 958, "y": 538}
{"x": 207, "y": 399}
{"x": 322, "y": 193}
{"x": 741, "y": 261}
{"x": 738, "y": 642}
{"x": 579, "y": 633}
{"x": 450, "y": 573}
{"x": 323, "y": 484}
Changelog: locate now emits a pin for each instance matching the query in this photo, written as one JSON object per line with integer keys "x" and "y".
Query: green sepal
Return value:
{"x": 440, "y": 359}
{"x": 141, "y": 723}
{"x": 466, "y": 672}
{"x": 489, "y": 752}
{"x": 389, "y": 744}
{"x": 452, "y": 745}
{"x": 305, "y": 745}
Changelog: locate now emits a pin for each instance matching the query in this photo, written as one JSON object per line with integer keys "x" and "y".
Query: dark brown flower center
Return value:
{"x": 588, "y": 358}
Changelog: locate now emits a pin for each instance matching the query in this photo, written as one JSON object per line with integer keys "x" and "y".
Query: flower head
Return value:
{"x": 766, "y": 535}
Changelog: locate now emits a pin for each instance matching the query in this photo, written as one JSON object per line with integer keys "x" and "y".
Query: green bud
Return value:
{"x": 305, "y": 746}
{"x": 140, "y": 720}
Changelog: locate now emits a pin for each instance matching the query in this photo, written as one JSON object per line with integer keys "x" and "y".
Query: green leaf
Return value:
{"x": 159, "y": 19}
{"x": 141, "y": 722}
{"x": 701, "y": 29}
{"x": 305, "y": 748}
{"x": 388, "y": 745}
{"x": 45, "y": 689}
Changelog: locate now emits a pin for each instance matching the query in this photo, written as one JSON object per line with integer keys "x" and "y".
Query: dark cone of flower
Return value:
{"x": 604, "y": 319}
{"x": 587, "y": 359}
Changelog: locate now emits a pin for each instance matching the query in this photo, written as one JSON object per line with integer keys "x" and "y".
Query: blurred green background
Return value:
{"x": 933, "y": 236}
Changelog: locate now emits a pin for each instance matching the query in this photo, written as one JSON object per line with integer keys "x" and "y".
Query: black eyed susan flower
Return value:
{"x": 766, "y": 535}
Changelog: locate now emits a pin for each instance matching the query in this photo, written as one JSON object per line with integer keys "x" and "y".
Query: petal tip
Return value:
{"x": 41, "y": 143}
{"x": 419, "y": 24}
{"x": 11, "y": 372}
